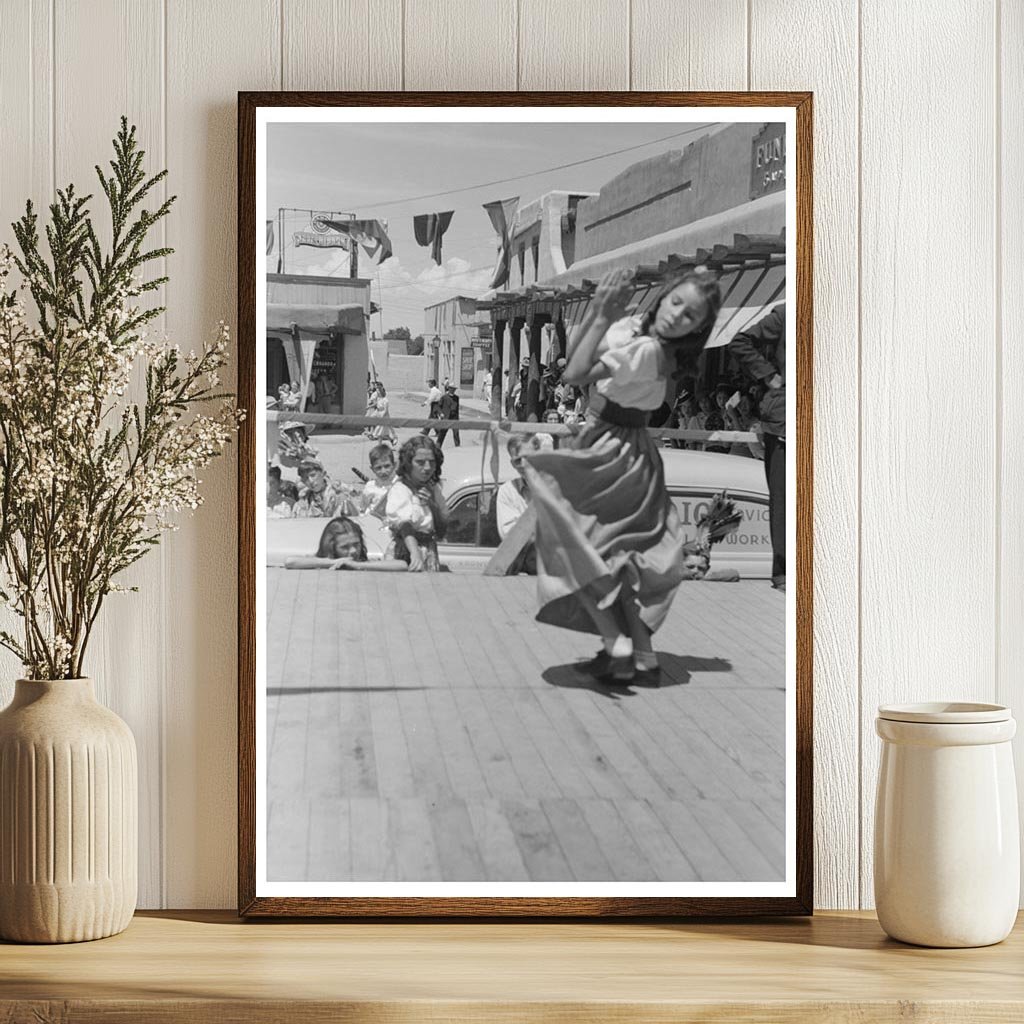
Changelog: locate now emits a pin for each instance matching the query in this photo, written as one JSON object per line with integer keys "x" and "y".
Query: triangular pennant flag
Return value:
{"x": 502, "y": 212}
{"x": 429, "y": 228}
{"x": 270, "y": 237}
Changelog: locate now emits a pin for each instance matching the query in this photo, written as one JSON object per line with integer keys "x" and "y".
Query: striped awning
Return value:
{"x": 746, "y": 294}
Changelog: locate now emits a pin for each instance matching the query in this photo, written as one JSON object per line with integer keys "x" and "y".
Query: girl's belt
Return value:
{"x": 618, "y": 415}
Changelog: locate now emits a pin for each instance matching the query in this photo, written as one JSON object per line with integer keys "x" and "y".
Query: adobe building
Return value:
{"x": 317, "y": 334}
{"x": 720, "y": 202}
{"x": 456, "y": 344}
{"x": 543, "y": 238}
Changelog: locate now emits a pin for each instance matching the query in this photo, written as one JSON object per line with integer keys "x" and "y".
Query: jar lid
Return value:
{"x": 945, "y": 713}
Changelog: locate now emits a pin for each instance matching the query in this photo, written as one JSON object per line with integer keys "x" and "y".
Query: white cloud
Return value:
{"x": 455, "y": 276}
{"x": 405, "y": 295}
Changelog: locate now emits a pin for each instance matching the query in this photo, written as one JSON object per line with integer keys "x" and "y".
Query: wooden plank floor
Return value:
{"x": 427, "y": 728}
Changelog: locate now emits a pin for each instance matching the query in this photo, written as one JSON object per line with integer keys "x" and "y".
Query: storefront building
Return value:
{"x": 457, "y": 344}
{"x": 720, "y": 203}
{"x": 317, "y": 336}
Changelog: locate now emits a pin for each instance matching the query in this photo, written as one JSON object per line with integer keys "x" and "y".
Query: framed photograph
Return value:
{"x": 525, "y": 504}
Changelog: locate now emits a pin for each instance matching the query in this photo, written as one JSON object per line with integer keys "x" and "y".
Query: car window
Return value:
{"x": 469, "y": 524}
{"x": 752, "y": 536}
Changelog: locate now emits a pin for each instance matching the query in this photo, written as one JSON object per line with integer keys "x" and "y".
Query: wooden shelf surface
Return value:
{"x": 208, "y": 966}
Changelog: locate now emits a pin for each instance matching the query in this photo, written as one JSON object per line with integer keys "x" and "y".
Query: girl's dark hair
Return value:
{"x": 688, "y": 349}
{"x": 290, "y": 489}
{"x": 339, "y": 526}
{"x": 378, "y": 451}
{"x": 409, "y": 450}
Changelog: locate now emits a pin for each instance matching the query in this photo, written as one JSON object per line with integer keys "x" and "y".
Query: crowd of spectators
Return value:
{"x": 731, "y": 405}
{"x": 404, "y": 492}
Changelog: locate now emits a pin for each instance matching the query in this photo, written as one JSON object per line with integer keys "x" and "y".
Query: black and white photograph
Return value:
{"x": 525, "y": 502}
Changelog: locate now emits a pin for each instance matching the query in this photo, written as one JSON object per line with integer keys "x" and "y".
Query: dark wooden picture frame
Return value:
{"x": 250, "y": 904}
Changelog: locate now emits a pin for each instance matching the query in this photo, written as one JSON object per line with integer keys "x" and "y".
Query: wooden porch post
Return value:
{"x": 515, "y": 328}
{"x": 497, "y": 374}
{"x": 536, "y": 322}
{"x": 560, "y": 335}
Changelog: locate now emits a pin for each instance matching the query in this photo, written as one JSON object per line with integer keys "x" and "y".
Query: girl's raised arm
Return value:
{"x": 608, "y": 305}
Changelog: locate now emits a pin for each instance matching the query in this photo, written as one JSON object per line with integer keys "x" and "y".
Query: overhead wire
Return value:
{"x": 288, "y": 244}
{"x": 532, "y": 174}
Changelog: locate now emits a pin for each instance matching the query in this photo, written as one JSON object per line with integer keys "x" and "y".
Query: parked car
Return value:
{"x": 692, "y": 478}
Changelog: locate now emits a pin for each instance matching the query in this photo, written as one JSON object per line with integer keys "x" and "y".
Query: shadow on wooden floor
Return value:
{"x": 675, "y": 671}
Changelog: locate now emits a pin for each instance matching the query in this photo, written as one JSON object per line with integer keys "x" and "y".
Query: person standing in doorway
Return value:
{"x": 761, "y": 353}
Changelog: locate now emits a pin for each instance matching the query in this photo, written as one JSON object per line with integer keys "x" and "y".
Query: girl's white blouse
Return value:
{"x": 406, "y": 506}
{"x": 636, "y": 364}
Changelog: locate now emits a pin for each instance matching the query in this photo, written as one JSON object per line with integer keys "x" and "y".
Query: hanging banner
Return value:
{"x": 429, "y": 229}
{"x": 502, "y": 212}
{"x": 270, "y": 237}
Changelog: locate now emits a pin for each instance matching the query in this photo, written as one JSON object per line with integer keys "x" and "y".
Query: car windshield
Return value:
{"x": 473, "y": 521}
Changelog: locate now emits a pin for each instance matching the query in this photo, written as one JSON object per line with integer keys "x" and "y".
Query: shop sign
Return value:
{"x": 332, "y": 241}
{"x": 467, "y": 367}
{"x": 768, "y": 161}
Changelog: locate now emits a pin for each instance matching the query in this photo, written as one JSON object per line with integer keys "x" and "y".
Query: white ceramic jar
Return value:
{"x": 947, "y": 847}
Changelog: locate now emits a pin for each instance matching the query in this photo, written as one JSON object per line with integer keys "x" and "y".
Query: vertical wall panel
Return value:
{"x": 928, "y": 417}
{"x": 342, "y": 44}
{"x": 689, "y": 44}
{"x": 1010, "y": 229}
{"x": 26, "y": 102}
{"x": 831, "y": 73}
{"x": 122, "y": 657}
{"x": 213, "y": 51}
{"x": 574, "y": 44}
{"x": 935, "y": 241}
{"x": 26, "y": 169}
{"x": 465, "y": 45}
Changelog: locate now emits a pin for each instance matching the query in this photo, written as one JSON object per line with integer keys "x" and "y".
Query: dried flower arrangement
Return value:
{"x": 90, "y": 476}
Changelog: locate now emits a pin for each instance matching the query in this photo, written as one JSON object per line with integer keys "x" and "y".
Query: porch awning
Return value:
{"x": 316, "y": 320}
{"x": 745, "y": 296}
{"x": 764, "y": 216}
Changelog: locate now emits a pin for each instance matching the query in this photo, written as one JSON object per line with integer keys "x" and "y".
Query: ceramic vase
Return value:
{"x": 68, "y": 815}
{"x": 947, "y": 847}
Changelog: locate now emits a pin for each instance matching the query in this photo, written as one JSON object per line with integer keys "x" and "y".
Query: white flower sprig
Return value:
{"x": 89, "y": 477}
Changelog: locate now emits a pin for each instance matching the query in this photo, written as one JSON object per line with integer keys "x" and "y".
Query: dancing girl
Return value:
{"x": 610, "y": 546}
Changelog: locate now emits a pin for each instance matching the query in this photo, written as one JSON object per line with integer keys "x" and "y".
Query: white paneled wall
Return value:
{"x": 919, "y": 208}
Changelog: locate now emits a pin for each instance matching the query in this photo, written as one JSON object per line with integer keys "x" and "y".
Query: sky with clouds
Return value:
{"x": 378, "y": 171}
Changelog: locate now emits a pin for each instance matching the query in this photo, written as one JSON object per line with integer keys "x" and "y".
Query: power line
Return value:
{"x": 533, "y": 174}
{"x": 286, "y": 244}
